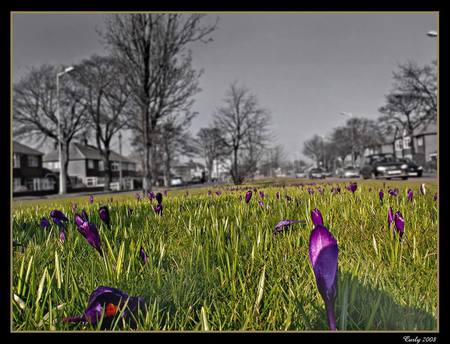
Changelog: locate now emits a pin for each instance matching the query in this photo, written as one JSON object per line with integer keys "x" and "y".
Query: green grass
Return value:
{"x": 215, "y": 265}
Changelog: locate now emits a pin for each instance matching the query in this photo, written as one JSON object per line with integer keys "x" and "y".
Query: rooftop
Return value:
{"x": 20, "y": 148}
{"x": 79, "y": 151}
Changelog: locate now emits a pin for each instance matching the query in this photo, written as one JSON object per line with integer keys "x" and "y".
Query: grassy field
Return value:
{"x": 214, "y": 264}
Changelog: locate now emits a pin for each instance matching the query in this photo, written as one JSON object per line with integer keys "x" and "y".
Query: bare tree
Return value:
{"x": 106, "y": 97}
{"x": 243, "y": 122}
{"x": 212, "y": 146}
{"x": 412, "y": 102}
{"x": 313, "y": 149}
{"x": 153, "y": 48}
{"x": 35, "y": 103}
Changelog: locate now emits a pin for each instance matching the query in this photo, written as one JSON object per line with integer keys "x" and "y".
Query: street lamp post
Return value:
{"x": 62, "y": 167}
{"x": 350, "y": 115}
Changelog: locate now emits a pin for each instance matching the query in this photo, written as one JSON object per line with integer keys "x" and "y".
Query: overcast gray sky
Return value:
{"x": 304, "y": 67}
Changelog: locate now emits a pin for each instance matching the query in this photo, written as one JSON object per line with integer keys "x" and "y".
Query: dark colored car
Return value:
{"x": 414, "y": 170}
{"x": 316, "y": 173}
{"x": 384, "y": 166}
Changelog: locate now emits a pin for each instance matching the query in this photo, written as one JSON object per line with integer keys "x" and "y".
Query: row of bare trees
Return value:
{"x": 144, "y": 83}
{"x": 411, "y": 103}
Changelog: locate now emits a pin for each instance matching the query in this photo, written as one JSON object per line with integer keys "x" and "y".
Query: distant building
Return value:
{"x": 28, "y": 173}
{"x": 221, "y": 170}
{"x": 189, "y": 171}
{"x": 86, "y": 166}
{"x": 424, "y": 139}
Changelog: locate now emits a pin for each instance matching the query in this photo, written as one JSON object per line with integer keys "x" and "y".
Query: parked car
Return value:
{"x": 384, "y": 166}
{"x": 414, "y": 170}
{"x": 316, "y": 173}
{"x": 300, "y": 175}
{"x": 176, "y": 181}
{"x": 348, "y": 172}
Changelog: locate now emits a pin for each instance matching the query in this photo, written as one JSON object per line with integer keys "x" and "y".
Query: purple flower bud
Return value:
{"x": 209, "y": 193}
{"x": 261, "y": 194}
{"x": 248, "y": 196}
{"x": 104, "y": 215}
{"x": 91, "y": 199}
{"x": 278, "y": 195}
{"x": 284, "y": 224}
{"x": 62, "y": 234}
{"x": 89, "y": 232}
{"x": 316, "y": 217}
{"x": 311, "y": 191}
{"x": 323, "y": 255}
{"x": 399, "y": 223}
{"x": 435, "y": 196}
{"x": 138, "y": 196}
{"x": 381, "y": 195}
{"x": 159, "y": 197}
{"x": 151, "y": 195}
{"x": 393, "y": 192}
{"x": 352, "y": 187}
{"x": 410, "y": 195}
{"x": 261, "y": 203}
{"x": 84, "y": 215}
{"x": 218, "y": 193}
{"x": 143, "y": 255}
{"x": 390, "y": 217}
{"x": 44, "y": 223}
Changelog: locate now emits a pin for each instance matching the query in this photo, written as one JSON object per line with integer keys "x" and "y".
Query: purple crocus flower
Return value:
{"x": 410, "y": 195}
{"x": 58, "y": 216}
{"x": 91, "y": 199}
{"x": 143, "y": 255}
{"x": 159, "y": 197}
{"x": 261, "y": 203}
{"x": 390, "y": 217}
{"x": 159, "y": 209}
{"x": 151, "y": 195}
{"x": 138, "y": 196}
{"x": 316, "y": 217}
{"x": 284, "y": 224}
{"x": 261, "y": 194}
{"x": 89, "y": 232}
{"x": 323, "y": 255}
{"x": 248, "y": 196}
{"x": 108, "y": 302}
{"x": 62, "y": 234}
{"x": 44, "y": 223}
{"x": 423, "y": 189}
{"x": 218, "y": 193}
{"x": 104, "y": 215}
{"x": 84, "y": 215}
{"x": 209, "y": 193}
{"x": 278, "y": 195}
{"x": 393, "y": 192}
{"x": 399, "y": 223}
{"x": 352, "y": 187}
{"x": 311, "y": 191}
{"x": 381, "y": 195}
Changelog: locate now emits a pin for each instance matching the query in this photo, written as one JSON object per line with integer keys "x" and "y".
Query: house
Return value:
{"x": 424, "y": 139}
{"x": 189, "y": 171}
{"x": 28, "y": 173}
{"x": 86, "y": 166}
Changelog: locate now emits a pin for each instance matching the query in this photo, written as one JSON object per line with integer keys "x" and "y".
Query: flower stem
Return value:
{"x": 331, "y": 317}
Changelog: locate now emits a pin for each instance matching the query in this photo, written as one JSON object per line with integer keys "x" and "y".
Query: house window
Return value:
{"x": 115, "y": 166}
{"x": 398, "y": 145}
{"x": 101, "y": 165}
{"x": 91, "y": 181}
{"x": 33, "y": 161}
{"x": 90, "y": 164}
{"x": 17, "y": 184}
{"x": 406, "y": 142}
{"x": 420, "y": 141}
{"x": 16, "y": 160}
{"x": 36, "y": 184}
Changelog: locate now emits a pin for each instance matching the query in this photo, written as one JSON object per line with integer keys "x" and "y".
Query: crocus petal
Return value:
{"x": 248, "y": 196}
{"x": 91, "y": 199}
{"x": 143, "y": 255}
{"x": 381, "y": 195}
{"x": 44, "y": 223}
{"x": 104, "y": 215}
{"x": 316, "y": 217}
{"x": 323, "y": 255}
{"x": 57, "y": 214}
{"x": 62, "y": 234}
{"x": 399, "y": 223}
{"x": 390, "y": 217}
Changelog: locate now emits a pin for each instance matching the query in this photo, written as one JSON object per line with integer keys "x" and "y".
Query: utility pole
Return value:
{"x": 120, "y": 166}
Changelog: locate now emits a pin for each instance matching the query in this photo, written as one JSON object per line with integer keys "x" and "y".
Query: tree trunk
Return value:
{"x": 235, "y": 166}
{"x": 66, "y": 158}
{"x": 148, "y": 156}
{"x": 167, "y": 171}
{"x": 107, "y": 166}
